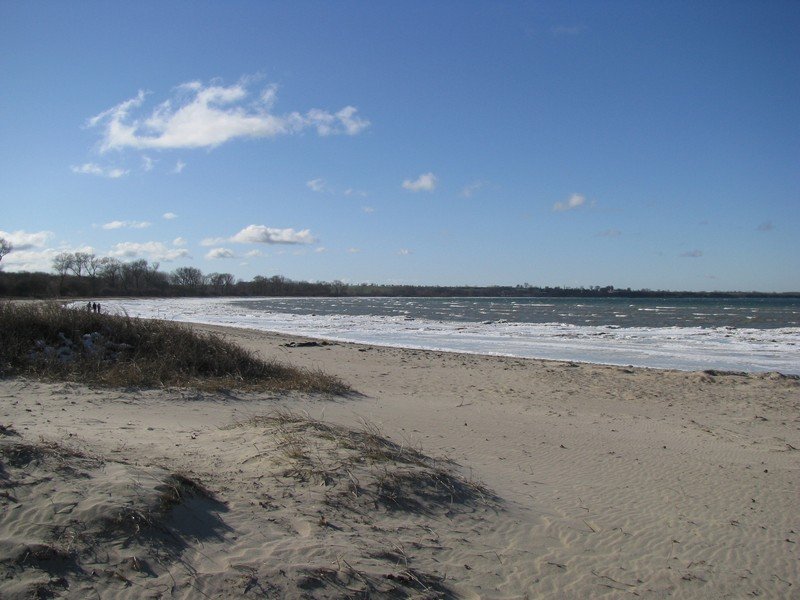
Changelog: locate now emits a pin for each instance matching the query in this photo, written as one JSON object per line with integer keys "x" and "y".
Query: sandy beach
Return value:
{"x": 445, "y": 475}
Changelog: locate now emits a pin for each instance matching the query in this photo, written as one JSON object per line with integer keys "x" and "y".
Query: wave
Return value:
{"x": 683, "y": 348}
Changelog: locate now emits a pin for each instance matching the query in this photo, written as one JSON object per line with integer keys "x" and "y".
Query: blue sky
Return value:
{"x": 635, "y": 144}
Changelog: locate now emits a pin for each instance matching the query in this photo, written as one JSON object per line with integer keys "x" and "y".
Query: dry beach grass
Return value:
{"x": 48, "y": 340}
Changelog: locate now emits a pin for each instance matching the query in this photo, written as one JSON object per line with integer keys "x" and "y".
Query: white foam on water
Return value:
{"x": 684, "y": 348}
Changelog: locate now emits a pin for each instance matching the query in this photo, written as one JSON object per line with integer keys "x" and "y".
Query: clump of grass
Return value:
{"x": 50, "y": 341}
{"x": 364, "y": 466}
{"x": 178, "y": 487}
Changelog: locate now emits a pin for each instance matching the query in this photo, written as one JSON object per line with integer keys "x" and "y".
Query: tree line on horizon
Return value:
{"x": 80, "y": 274}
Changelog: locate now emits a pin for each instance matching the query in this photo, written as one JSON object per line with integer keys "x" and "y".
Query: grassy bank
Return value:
{"x": 49, "y": 341}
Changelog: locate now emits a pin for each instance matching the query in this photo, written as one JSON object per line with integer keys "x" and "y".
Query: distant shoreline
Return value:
{"x": 150, "y": 283}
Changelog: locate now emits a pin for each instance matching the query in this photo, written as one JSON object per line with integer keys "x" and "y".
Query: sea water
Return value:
{"x": 753, "y": 335}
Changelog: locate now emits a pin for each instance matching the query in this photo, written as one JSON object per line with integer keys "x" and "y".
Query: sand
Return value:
{"x": 446, "y": 475}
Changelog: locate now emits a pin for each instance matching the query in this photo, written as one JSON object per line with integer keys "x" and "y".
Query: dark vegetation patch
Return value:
{"x": 53, "y": 342}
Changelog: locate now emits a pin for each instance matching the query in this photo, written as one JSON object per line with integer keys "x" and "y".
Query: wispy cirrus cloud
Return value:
{"x": 469, "y": 190}
{"x": 573, "y": 202}
{"x": 220, "y": 253}
{"x": 317, "y": 185}
{"x": 95, "y": 169}
{"x": 321, "y": 186}
{"x": 207, "y": 115}
{"x": 126, "y": 225}
{"x": 424, "y": 183}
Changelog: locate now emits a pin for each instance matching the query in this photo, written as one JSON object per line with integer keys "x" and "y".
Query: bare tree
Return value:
{"x": 189, "y": 277}
{"x": 134, "y": 273}
{"x": 5, "y": 247}
{"x": 110, "y": 269}
{"x": 81, "y": 262}
{"x": 63, "y": 263}
{"x": 221, "y": 282}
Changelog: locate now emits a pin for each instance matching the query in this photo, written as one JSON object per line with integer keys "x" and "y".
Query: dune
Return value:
{"x": 442, "y": 475}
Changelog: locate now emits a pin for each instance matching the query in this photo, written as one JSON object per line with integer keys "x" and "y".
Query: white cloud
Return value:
{"x": 254, "y": 253}
{"x": 353, "y": 192}
{"x": 95, "y": 169}
{"x": 169, "y": 216}
{"x": 23, "y": 240}
{"x": 147, "y": 163}
{"x": 179, "y": 241}
{"x": 179, "y": 167}
{"x": 351, "y": 123}
{"x": 404, "y": 252}
{"x": 30, "y": 260}
{"x": 692, "y": 254}
{"x": 368, "y": 209}
{"x": 216, "y": 253}
{"x": 320, "y": 249}
{"x": 316, "y": 185}
{"x": 353, "y": 250}
{"x": 424, "y": 183}
{"x": 574, "y": 201}
{"x": 126, "y": 225}
{"x": 469, "y": 190}
{"x": 153, "y": 250}
{"x": 205, "y": 116}
{"x": 259, "y": 234}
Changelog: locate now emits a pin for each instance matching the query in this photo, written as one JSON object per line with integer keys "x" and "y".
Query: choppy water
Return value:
{"x": 759, "y": 313}
{"x": 689, "y": 334}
